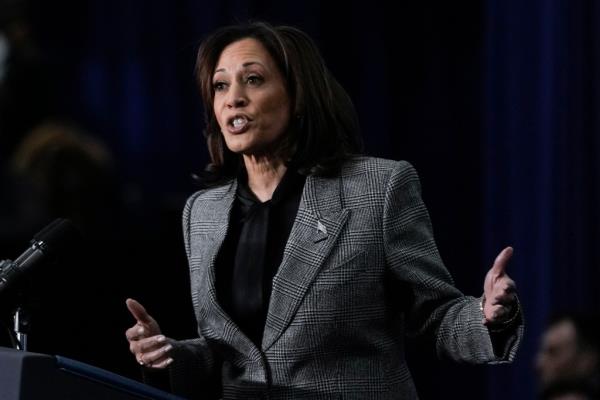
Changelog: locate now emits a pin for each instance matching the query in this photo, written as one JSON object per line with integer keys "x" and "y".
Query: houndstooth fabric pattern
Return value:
{"x": 360, "y": 271}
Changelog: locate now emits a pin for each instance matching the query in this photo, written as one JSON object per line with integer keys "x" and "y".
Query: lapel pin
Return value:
{"x": 321, "y": 228}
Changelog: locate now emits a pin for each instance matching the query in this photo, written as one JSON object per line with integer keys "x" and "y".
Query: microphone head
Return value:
{"x": 57, "y": 236}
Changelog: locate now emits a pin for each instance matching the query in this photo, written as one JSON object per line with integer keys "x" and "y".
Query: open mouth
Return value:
{"x": 238, "y": 121}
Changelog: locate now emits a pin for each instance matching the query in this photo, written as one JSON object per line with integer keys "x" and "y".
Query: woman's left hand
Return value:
{"x": 499, "y": 290}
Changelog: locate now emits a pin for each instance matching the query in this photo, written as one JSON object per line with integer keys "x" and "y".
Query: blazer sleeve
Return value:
{"x": 192, "y": 372}
{"x": 435, "y": 305}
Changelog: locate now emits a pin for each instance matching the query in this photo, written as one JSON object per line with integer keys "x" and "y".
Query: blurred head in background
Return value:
{"x": 569, "y": 357}
{"x": 64, "y": 172}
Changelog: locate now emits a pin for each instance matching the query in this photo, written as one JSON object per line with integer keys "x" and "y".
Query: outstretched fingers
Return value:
{"x": 138, "y": 311}
{"x": 148, "y": 345}
{"x": 158, "y": 358}
{"x": 501, "y": 261}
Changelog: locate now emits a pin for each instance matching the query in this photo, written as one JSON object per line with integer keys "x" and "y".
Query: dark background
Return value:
{"x": 496, "y": 103}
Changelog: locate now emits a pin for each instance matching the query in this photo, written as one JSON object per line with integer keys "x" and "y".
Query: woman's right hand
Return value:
{"x": 150, "y": 347}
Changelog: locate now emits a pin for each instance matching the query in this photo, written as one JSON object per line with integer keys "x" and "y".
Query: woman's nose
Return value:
{"x": 237, "y": 98}
{"x": 237, "y": 102}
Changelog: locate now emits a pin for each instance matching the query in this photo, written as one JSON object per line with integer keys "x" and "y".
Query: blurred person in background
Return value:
{"x": 63, "y": 171}
{"x": 568, "y": 359}
{"x": 59, "y": 170}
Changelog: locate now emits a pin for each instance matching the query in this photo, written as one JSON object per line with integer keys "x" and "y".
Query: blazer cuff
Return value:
{"x": 192, "y": 367}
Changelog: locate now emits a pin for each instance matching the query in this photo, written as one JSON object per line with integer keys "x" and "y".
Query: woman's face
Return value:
{"x": 251, "y": 102}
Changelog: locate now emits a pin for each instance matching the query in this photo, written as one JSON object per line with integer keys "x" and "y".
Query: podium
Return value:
{"x": 34, "y": 376}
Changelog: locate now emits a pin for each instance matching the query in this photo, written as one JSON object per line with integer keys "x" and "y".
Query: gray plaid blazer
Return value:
{"x": 360, "y": 271}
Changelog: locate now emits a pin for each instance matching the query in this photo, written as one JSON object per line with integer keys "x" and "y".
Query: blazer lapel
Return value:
{"x": 318, "y": 223}
{"x": 220, "y": 325}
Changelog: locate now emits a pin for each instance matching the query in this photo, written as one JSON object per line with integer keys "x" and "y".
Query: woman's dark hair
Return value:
{"x": 324, "y": 129}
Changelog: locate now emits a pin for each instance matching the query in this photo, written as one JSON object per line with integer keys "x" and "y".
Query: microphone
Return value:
{"x": 47, "y": 244}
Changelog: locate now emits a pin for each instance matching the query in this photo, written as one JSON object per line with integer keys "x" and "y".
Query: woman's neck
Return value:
{"x": 264, "y": 174}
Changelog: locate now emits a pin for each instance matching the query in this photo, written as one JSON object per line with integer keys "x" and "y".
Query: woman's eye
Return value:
{"x": 219, "y": 86}
{"x": 254, "y": 79}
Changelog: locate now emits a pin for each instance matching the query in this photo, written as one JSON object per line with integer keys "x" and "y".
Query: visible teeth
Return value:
{"x": 239, "y": 122}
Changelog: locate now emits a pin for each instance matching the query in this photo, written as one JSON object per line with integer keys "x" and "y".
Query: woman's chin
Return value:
{"x": 241, "y": 150}
{"x": 237, "y": 146}
{"x": 243, "y": 147}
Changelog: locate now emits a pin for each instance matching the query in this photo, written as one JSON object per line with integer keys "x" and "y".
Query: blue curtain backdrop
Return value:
{"x": 542, "y": 170}
{"x": 495, "y": 103}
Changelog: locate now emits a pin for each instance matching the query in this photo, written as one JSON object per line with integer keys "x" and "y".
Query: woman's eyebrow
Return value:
{"x": 245, "y": 65}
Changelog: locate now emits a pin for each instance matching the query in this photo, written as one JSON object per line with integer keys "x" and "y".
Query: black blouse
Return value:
{"x": 253, "y": 249}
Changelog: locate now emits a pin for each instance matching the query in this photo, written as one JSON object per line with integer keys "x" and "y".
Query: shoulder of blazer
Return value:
{"x": 374, "y": 175}
{"x": 210, "y": 194}
{"x": 200, "y": 202}
{"x": 359, "y": 165}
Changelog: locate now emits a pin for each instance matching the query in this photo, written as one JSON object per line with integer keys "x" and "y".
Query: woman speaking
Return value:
{"x": 309, "y": 263}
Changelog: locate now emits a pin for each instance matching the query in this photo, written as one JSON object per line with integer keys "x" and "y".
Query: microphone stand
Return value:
{"x": 21, "y": 328}
{"x": 21, "y": 319}
{"x": 52, "y": 238}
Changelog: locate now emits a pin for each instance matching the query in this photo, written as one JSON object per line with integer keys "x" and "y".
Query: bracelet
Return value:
{"x": 501, "y": 326}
